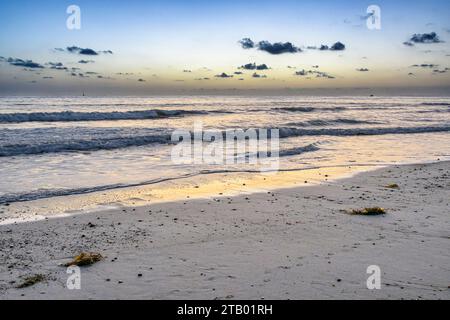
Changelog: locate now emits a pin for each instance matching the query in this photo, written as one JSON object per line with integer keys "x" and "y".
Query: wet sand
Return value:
{"x": 290, "y": 243}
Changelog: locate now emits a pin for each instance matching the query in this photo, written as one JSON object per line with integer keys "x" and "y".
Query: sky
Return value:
{"x": 150, "y": 47}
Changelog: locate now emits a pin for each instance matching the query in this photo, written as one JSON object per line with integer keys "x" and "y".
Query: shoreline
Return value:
{"x": 288, "y": 243}
{"x": 197, "y": 186}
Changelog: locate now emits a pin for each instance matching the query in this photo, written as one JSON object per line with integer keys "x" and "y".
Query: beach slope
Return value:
{"x": 298, "y": 243}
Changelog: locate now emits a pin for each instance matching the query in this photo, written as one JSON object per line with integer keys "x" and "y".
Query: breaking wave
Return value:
{"x": 95, "y": 116}
{"x": 116, "y": 140}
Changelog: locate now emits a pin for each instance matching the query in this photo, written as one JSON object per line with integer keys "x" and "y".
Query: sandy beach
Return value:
{"x": 289, "y": 243}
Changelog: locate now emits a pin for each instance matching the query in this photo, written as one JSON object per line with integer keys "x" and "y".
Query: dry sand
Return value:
{"x": 296, "y": 243}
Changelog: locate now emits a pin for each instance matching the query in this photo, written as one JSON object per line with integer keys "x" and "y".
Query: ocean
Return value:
{"x": 73, "y": 145}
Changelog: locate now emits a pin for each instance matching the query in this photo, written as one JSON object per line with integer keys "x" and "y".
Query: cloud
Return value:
{"x": 408, "y": 44}
{"x": 301, "y": 73}
{"x": 238, "y": 72}
{"x": 425, "y": 65}
{"x": 319, "y": 74}
{"x": 255, "y": 75}
{"x": 277, "y": 47}
{"x": 253, "y": 66}
{"x": 362, "y": 69}
{"x": 84, "y": 51}
{"x": 24, "y": 63}
{"x": 57, "y": 66}
{"x": 425, "y": 38}
{"x": 247, "y": 43}
{"x": 223, "y": 75}
{"x": 187, "y": 71}
{"x": 262, "y": 67}
{"x": 338, "y": 46}
{"x": 74, "y": 74}
{"x": 141, "y": 80}
{"x": 86, "y": 61}
{"x": 441, "y": 71}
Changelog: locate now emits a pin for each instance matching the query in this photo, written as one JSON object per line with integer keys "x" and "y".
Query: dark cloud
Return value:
{"x": 24, "y": 63}
{"x": 362, "y": 69}
{"x": 277, "y": 47}
{"x": 84, "y": 51}
{"x": 254, "y": 66}
{"x": 441, "y": 71}
{"x": 425, "y": 38}
{"x": 255, "y": 75}
{"x": 425, "y": 65}
{"x": 86, "y": 61}
{"x": 262, "y": 67}
{"x": 81, "y": 75}
{"x": 319, "y": 74}
{"x": 247, "y": 43}
{"x": 408, "y": 44}
{"x": 324, "y": 75}
{"x": 338, "y": 46}
{"x": 141, "y": 80}
{"x": 57, "y": 66}
{"x": 248, "y": 66}
{"x": 223, "y": 75}
{"x": 238, "y": 72}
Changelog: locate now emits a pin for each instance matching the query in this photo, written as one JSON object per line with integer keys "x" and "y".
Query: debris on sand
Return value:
{"x": 31, "y": 280}
{"x": 392, "y": 186}
{"x": 374, "y": 211}
{"x": 85, "y": 259}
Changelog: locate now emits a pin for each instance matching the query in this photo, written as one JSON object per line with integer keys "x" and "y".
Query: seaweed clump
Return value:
{"x": 85, "y": 259}
{"x": 392, "y": 186}
{"x": 374, "y": 211}
{"x": 31, "y": 280}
